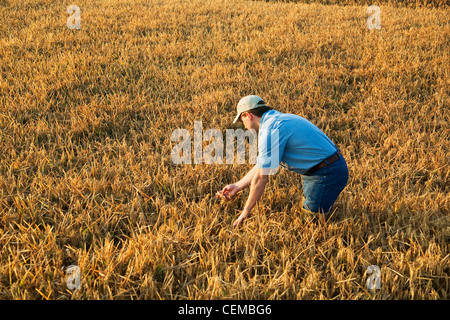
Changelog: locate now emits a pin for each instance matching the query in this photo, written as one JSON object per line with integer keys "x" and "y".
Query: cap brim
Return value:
{"x": 237, "y": 118}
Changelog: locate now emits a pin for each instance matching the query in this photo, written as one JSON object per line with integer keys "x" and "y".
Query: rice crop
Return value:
{"x": 86, "y": 176}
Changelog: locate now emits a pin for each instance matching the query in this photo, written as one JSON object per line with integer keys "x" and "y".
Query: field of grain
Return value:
{"x": 86, "y": 176}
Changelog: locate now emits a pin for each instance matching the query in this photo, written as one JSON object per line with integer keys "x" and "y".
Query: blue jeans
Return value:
{"x": 322, "y": 187}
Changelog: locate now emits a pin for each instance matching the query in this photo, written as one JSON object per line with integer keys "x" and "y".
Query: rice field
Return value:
{"x": 87, "y": 180}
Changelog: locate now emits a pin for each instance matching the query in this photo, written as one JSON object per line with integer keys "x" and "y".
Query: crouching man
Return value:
{"x": 296, "y": 144}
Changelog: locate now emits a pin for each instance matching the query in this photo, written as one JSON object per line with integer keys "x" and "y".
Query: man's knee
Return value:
{"x": 309, "y": 208}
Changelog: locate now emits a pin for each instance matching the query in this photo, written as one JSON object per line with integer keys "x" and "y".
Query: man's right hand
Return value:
{"x": 228, "y": 192}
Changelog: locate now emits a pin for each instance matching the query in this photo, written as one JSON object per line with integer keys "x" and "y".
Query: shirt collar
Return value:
{"x": 263, "y": 117}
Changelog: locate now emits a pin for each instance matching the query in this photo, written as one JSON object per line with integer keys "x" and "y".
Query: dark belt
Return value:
{"x": 325, "y": 162}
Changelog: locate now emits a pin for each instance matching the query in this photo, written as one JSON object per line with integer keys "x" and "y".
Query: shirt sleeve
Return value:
{"x": 271, "y": 145}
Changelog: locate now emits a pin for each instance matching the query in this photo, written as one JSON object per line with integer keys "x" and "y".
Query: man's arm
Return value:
{"x": 229, "y": 191}
{"x": 247, "y": 179}
{"x": 258, "y": 184}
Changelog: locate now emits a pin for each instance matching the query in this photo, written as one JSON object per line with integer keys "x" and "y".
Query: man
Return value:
{"x": 296, "y": 144}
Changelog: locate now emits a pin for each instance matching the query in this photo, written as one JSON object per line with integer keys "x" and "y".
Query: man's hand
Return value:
{"x": 239, "y": 220}
{"x": 228, "y": 192}
{"x": 256, "y": 190}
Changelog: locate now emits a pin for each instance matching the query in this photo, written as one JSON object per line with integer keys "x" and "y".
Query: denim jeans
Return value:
{"x": 321, "y": 188}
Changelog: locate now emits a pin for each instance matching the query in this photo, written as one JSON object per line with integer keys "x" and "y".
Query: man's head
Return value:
{"x": 250, "y": 110}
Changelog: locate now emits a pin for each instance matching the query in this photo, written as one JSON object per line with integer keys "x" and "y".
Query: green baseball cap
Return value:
{"x": 248, "y": 103}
